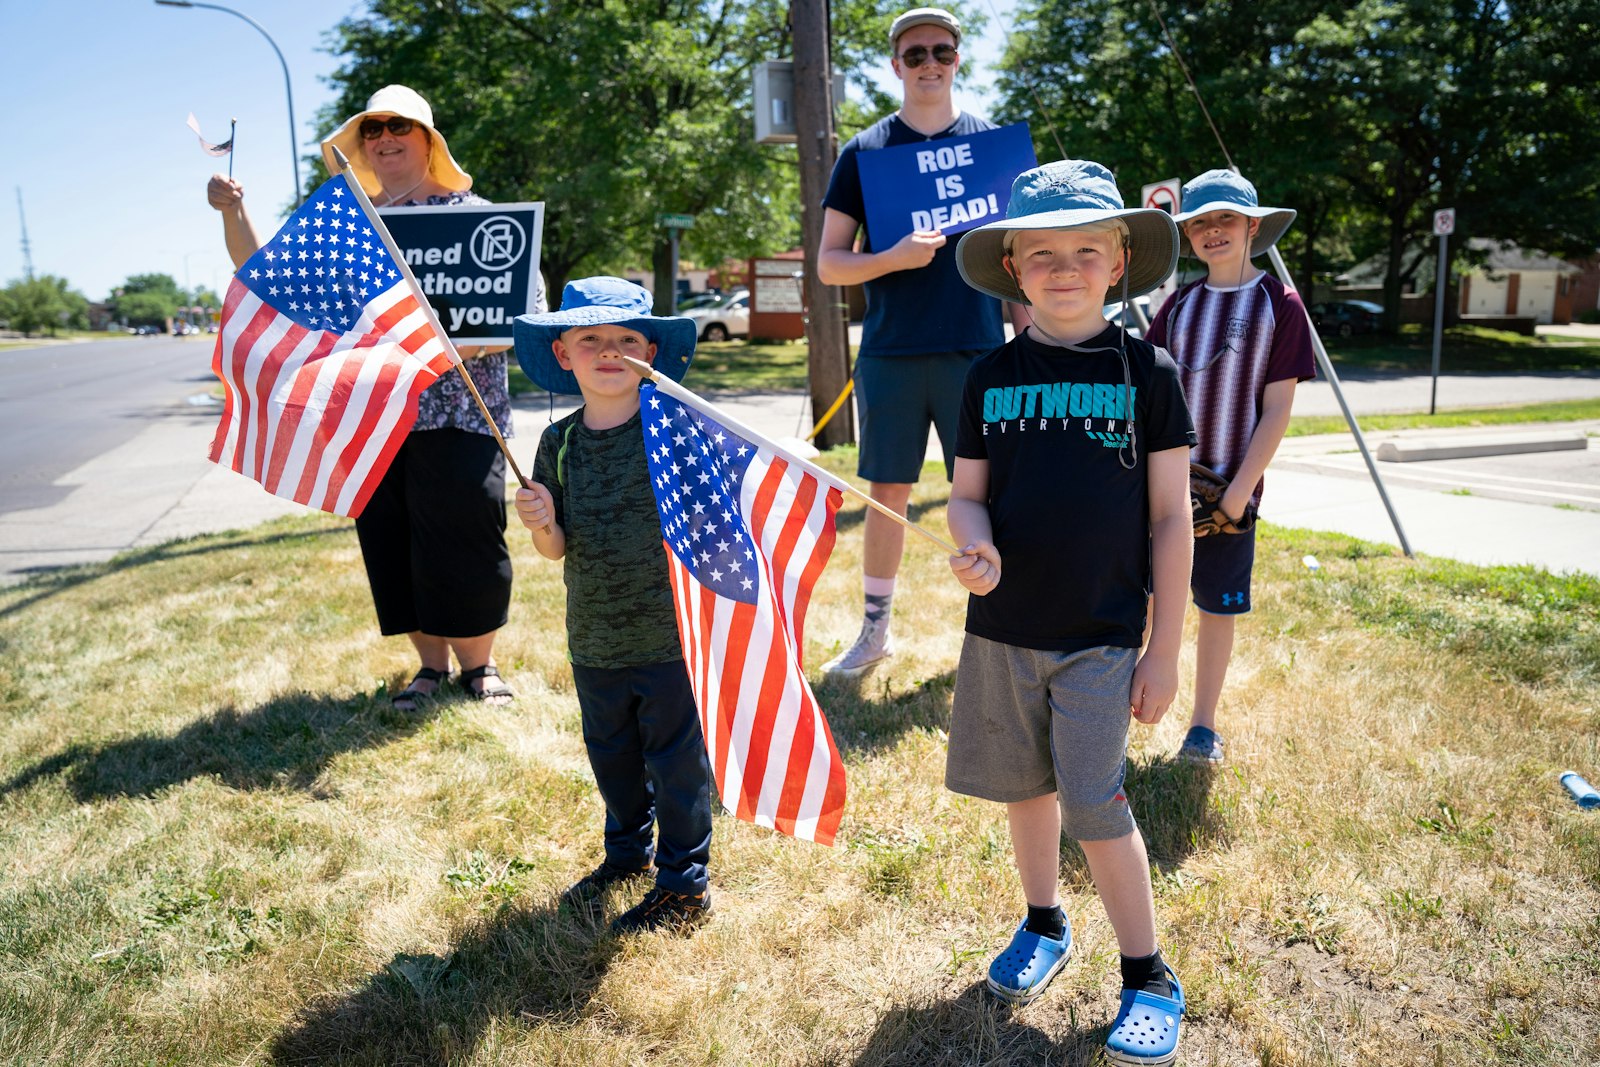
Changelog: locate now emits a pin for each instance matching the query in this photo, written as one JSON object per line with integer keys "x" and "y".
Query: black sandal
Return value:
{"x": 406, "y": 699}
{"x": 488, "y": 692}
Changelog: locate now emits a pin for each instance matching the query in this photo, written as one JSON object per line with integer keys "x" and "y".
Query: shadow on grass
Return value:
{"x": 867, "y": 715}
{"x": 972, "y": 1028}
{"x": 46, "y": 582}
{"x": 1173, "y": 805}
{"x": 527, "y": 963}
{"x": 288, "y": 741}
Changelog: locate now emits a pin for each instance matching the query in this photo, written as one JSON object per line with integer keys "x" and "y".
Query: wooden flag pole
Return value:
{"x": 672, "y": 388}
{"x": 427, "y": 309}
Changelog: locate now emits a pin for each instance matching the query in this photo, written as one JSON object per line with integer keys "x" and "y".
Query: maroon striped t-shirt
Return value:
{"x": 1228, "y": 345}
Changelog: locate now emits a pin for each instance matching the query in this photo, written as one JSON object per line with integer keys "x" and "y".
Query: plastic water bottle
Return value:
{"x": 1585, "y": 794}
{"x": 1311, "y": 563}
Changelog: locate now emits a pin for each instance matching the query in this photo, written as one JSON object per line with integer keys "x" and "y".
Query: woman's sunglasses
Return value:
{"x": 918, "y": 54}
{"x": 372, "y": 129}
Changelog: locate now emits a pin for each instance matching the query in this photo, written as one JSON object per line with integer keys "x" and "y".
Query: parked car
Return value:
{"x": 1347, "y": 317}
{"x": 1118, "y": 315}
{"x": 718, "y": 322}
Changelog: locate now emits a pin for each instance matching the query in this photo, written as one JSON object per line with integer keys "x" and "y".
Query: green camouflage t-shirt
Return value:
{"x": 619, "y": 598}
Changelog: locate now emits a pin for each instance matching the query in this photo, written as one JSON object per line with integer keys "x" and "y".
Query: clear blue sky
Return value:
{"x": 112, "y": 180}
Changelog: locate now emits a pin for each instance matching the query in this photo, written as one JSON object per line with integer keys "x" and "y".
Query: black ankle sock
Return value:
{"x": 1146, "y": 973}
{"x": 1046, "y": 922}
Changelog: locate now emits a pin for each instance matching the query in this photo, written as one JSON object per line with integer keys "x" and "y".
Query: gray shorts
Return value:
{"x": 1027, "y": 723}
{"x": 898, "y": 398}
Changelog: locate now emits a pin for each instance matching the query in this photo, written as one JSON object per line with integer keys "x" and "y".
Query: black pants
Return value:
{"x": 643, "y": 735}
{"x": 433, "y": 537}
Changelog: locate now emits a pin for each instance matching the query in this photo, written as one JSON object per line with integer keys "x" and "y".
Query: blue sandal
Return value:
{"x": 1022, "y": 973}
{"x": 1146, "y": 1031}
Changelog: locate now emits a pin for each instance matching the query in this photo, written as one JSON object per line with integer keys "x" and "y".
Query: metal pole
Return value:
{"x": 672, "y": 306}
{"x": 1438, "y": 323}
{"x": 294, "y": 150}
{"x": 1326, "y": 366}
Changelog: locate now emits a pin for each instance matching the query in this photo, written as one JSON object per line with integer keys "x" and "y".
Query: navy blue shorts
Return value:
{"x": 1221, "y": 578}
{"x": 898, "y": 398}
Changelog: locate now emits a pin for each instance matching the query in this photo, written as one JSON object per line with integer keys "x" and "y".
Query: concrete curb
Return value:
{"x": 1502, "y": 444}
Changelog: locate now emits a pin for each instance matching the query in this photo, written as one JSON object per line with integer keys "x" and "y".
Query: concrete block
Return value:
{"x": 1463, "y": 447}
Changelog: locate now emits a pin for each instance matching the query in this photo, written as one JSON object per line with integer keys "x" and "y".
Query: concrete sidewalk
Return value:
{"x": 159, "y": 487}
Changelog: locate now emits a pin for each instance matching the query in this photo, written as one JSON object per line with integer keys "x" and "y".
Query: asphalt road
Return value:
{"x": 106, "y": 448}
{"x": 62, "y": 406}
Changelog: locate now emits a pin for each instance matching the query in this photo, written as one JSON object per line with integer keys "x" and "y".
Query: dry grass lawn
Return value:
{"x": 220, "y": 845}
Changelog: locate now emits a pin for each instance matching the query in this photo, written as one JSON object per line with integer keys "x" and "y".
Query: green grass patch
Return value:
{"x": 1550, "y": 411}
{"x": 725, "y": 366}
{"x": 222, "y": 844}
{"x": 1464, "y": 348}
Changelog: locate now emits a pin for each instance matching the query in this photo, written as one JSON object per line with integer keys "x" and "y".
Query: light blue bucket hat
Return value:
{"x": 595, "y": 302}
{"x": 1223, "y": 190}
{"x": 1060, "y": 196}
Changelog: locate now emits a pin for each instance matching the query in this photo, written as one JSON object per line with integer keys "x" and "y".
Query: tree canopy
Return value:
{"x": 45, "y": 303}
{"x": 612, "y": 112}
{"x": 1365, "y": 116}
{"x": 148, "y": 298}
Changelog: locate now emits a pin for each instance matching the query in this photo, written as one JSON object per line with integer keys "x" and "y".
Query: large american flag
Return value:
{"x": 747, "y": 534}
{"x": 322, "y": 353}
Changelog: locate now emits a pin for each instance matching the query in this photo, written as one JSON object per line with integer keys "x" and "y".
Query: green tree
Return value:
{"x": 148, "y": 298}
{"x": 44, "y": 303}
{"x": 610, "y": 112}
{"x": 1363, "y": 116}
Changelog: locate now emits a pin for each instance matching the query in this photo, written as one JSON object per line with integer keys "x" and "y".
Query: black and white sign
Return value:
{"x": 478, "y": 264}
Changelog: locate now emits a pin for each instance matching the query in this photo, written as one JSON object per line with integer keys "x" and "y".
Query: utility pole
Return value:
{"x": 27, "y": 250}
{"x": 813, "y": 120}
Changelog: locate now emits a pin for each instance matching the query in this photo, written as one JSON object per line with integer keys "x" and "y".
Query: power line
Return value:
{"x": 27, "y": 252}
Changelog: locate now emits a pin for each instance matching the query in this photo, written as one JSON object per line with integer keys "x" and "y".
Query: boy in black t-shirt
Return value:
{"x": 1072, "y": 467}
{"x": 590, "y": 505}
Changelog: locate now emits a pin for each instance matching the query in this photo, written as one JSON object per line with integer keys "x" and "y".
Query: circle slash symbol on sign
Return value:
{"x": 498, "y": 242}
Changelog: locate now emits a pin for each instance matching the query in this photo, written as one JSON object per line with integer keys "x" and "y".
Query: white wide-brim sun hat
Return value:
{"x": 1223, "y": 190}
{"x": 1059, "y": 196}
{"x": 407, "y": 103}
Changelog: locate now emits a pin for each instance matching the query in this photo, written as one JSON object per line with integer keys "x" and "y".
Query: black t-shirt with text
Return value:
{"x": 1071, "y": 523}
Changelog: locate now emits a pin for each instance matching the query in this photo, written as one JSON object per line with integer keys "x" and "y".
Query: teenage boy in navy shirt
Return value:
{"x": 923, "y": 326}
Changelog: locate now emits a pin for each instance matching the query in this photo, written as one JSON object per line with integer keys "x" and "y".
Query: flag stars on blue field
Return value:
{"x": 691, "y": 471}
{"x": 337, "y": 302}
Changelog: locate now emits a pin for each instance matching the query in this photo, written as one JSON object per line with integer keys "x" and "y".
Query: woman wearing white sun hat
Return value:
{"x": 433, "y": 534}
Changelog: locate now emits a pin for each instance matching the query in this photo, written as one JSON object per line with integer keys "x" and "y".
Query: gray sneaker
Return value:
{"x": 873, "y": 645}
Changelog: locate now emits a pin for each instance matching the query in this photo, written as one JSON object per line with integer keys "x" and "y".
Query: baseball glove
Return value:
{"x": 1205, "y": 503}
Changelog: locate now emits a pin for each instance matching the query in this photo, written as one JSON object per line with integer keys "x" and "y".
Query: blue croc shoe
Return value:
{"x": 1022, "y": 973}
{"x": 1201, "y": 745}
{"x": 1146, "y": 1031}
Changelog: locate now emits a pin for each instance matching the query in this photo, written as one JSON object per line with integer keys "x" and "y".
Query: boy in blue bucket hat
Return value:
{"x": 1070, "y": 495}
{"x": 591, "y": 505}
{"x": 1242, "y": 342}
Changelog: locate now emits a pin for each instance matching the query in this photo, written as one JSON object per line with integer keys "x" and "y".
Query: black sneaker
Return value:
{"x": 586, "y": 895}
{"x": 662, "y": 909}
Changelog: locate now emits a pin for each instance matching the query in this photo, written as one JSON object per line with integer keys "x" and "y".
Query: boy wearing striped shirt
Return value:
{"x": 1242, "y": 342}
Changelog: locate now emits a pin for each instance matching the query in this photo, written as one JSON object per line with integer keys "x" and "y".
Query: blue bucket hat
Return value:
{"x": 1223, "y": 190}
{"x": 595, "y": 302}
{"x": 1061, "y": 196}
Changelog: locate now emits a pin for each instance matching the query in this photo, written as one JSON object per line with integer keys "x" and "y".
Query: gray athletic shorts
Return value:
{"x": 1027, "y": 723}
{"x": 899, "y": 397}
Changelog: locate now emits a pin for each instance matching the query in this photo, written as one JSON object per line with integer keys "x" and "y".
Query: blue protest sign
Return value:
{"x": 951, "y": 184}
{"x": 478, "y": 264}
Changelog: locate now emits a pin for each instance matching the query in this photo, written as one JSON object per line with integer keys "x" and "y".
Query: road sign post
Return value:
{"x": 1444, "y": 224}
{"x": 672, "y": 224}
{"x": 1166, "y": 195}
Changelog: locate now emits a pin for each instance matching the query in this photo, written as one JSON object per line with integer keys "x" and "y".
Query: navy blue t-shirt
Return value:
{"x": 914, "y": 312}
{"x": 1071, "y": 523}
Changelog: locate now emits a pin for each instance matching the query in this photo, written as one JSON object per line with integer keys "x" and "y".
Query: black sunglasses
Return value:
{"x": 917, "y": 55}
{"x": 372, "y": 129}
